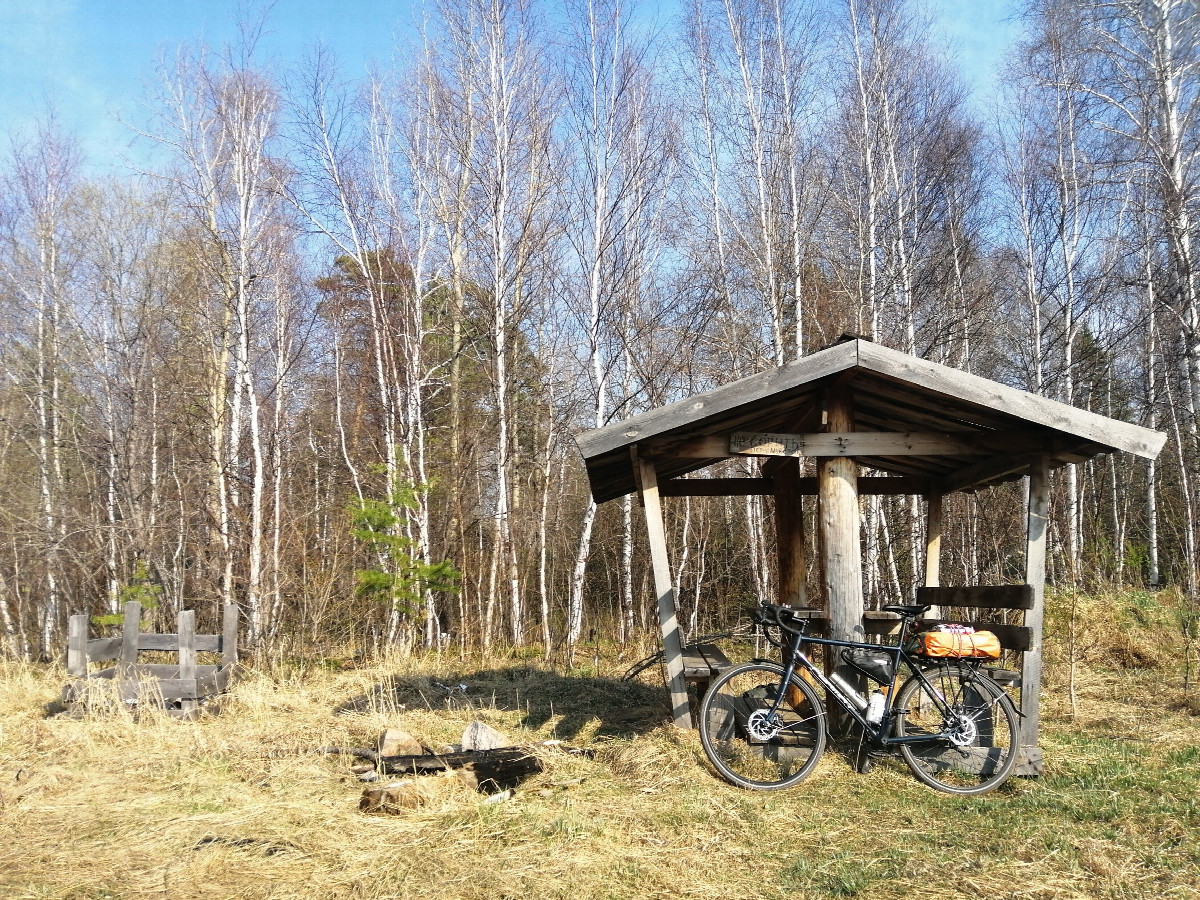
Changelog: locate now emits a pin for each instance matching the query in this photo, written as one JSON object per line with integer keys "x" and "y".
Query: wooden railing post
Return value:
{"x": 187, "y": 643}
{"x": 77, "y": 629}
{"x": 229, "y": 635}
{"x": 129, "y": 635}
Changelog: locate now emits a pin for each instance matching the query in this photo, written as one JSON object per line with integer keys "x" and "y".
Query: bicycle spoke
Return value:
{"x": 750, "y": 745}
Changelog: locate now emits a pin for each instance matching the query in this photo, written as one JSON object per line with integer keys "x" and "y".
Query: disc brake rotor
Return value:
{"x": 962, "y": 730}
{"x": 761, "y": 725}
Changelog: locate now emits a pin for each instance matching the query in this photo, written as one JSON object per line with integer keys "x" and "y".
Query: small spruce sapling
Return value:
{"x": 399, "y": 579}
{"x": 141, "y": 588}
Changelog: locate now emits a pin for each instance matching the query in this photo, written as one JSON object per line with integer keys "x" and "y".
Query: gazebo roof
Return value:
{"x": 979, "y": 432}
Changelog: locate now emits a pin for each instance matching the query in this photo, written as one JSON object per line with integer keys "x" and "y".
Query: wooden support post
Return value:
{"x": 841, "y": 553}
{"x": 789, "y": 535}
{"x": 933, "y": 540}
{"x": 667, "y": 619}
{"x": 1035, "y": 577}
{"x": 933, "y": 546}
{"x": 229, "y": 635}
{"x": 129, "y": 635}
{"x": 77, "y": 629}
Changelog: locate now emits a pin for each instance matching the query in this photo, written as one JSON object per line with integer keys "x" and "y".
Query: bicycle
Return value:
{"x": 763, "y": 725}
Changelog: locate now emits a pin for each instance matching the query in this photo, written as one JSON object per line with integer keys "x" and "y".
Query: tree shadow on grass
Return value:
{"x": 572, "y": 702}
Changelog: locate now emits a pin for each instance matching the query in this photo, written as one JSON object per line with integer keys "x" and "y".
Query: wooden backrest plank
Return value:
{"x": 982, "y": 596}
{"x": 167, "y": 642}
{"x": 101, "y": 649}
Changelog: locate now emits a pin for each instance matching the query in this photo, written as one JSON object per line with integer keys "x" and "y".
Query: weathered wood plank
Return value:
{"x": 187, "y": 644}
{"x": 707, "y": 446}
{"x": 665, "y": 588}
{"x": 77, "y": 645}
{"x": 858, "y": 443}
{"x": 167, "y": 642}
{"x": 805, "y": 486}
{"x": 129, "y": 633}
{"x": 984, "y": 596}
{"x": 704, "y": 661}
{"x": 1030, "y": 407}
{"x": 789, "y": 536}
{"x": 1035, "y": 576}
{"x": 716, "y": 487}
{"x": 982, "y": 472}
{"x": 229, "y": 635}
{"x": 103, "y": 649}
{"x": 719, "y": 400}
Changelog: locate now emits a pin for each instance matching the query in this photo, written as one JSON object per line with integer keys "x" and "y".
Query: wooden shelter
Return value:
{"x": 931, "y": 429}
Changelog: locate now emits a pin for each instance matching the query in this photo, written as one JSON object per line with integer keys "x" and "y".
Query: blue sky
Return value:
{"x": 94, "y": 59}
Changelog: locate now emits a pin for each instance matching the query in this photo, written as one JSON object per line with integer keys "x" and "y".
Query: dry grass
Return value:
{"x": 241, "y": 804}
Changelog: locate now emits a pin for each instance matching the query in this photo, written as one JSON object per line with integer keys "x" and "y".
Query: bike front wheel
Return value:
{"x": 972, "y": 728}
{"x": 751, "y": 746}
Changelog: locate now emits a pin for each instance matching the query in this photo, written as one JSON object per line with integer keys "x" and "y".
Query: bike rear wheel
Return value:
{"x": 973, "y": 747}
{"x": 748, "y": 745}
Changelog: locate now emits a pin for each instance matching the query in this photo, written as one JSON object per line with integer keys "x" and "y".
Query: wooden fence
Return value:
{"x": 180, "y": 687}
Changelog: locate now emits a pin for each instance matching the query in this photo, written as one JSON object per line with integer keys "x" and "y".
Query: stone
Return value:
{"x": 395, "y": 797}
{"x": 479, "y": 736}
{"x": 397, "y": 742}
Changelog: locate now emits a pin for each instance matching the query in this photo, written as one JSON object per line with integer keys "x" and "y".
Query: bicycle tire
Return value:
{"x": 745, "y": 748}
{"x": 985, "y": 727}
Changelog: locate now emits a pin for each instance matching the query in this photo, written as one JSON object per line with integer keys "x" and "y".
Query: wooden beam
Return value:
{"x": 857, "y": 443}
{"x": 789, "y": 536}
{"x": 706, "y": 446}
{"x": 667, "y": 616}
{"x": 805, "y": 486}
{"x": 982, "y": 472}
{"x": 1035, "y": 577}
{"x": 716, "y": 487}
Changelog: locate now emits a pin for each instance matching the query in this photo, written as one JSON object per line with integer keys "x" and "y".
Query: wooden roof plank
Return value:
{"x": 993, "y": 395}
{"x": 712, "y": 403}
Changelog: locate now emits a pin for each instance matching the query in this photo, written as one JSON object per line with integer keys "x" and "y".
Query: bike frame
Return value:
{"x": 879, "y": 732}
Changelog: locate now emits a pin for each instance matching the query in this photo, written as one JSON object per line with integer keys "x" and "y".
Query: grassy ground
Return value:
{"x": 244, "y": 805}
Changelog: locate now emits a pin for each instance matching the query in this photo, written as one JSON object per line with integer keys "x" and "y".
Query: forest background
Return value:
{"x": 325, "y": 358}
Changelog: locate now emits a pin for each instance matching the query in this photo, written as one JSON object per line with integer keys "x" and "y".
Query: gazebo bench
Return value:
{"x": 702, "y": 663}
